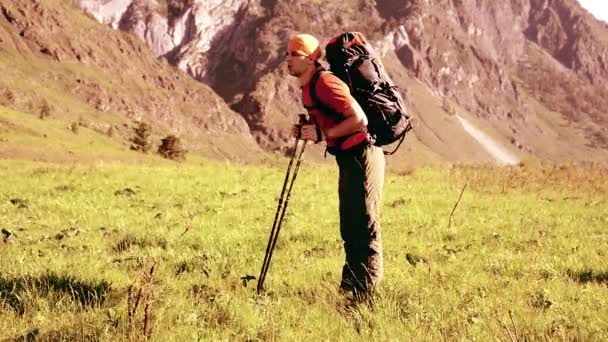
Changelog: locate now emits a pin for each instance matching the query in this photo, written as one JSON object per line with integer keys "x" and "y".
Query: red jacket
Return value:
{"x": 334, "y": 95}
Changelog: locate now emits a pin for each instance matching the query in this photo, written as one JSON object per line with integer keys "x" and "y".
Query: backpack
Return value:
{"x": 354, "y": 61}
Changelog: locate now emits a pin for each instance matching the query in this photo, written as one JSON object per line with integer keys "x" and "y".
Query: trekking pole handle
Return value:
{"x": 303, "y": 120}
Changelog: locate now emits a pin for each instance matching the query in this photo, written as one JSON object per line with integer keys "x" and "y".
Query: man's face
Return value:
{"x": 298, "y": 64}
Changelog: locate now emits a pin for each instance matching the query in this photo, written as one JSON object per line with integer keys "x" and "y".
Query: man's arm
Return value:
{"x": 355, "y": 120}
{"x": 334, "y": 93}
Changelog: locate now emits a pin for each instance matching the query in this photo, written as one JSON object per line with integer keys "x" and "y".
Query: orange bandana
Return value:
{"x": 306, "y": 45}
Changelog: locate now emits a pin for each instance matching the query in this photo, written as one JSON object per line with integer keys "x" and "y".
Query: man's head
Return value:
{"x": 303, "y": 51}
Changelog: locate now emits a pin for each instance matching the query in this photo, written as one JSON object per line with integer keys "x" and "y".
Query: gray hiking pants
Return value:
{"x": 360, "y": 191}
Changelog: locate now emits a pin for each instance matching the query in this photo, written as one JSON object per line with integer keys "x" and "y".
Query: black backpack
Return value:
{"x": 353, "y": 60}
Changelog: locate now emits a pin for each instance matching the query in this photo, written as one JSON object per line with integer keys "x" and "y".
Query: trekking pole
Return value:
{"x": 276, "y": 217}
{"x": 280, "y": 223}
{"x": 281, "y": 209}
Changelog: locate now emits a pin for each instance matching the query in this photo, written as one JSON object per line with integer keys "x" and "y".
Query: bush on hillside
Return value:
{"x": 8, "y": 97}
{"x": 171, "y": 148}
{"x": 45, "y": 110}
{"x": 141, "y": 138}
{"x": 74, "y": 127}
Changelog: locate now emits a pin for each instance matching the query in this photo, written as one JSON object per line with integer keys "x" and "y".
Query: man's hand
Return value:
{"x": 307, "y": 132}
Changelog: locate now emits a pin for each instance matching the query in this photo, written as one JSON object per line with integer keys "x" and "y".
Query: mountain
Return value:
{"x": 53, "y": 55}
{"x": 529, "y": 75}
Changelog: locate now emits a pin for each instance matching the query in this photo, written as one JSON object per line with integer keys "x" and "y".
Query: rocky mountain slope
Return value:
{"x": 52, "y": 54}
{"x": 531, "y": 74}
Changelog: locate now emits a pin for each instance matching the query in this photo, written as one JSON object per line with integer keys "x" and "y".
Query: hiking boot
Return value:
{"x": 346, "y": 286}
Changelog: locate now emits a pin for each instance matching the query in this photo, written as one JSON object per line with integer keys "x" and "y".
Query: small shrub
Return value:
{"x": 45, "y": 110}
{"x": 8, "y": 97}
{"x": 171, "y": 148}
{"x": 141, "y": 139}
{"x": 74, "y": 127}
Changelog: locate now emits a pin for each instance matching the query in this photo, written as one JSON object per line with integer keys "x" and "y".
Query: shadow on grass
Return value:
{"x": 65, "y": 334}
{"x": 589, "y": 276}
{"x": 86, "y": 293}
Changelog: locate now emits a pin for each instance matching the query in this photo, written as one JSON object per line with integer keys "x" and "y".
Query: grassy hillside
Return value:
{"x": 84, "y": 140}
{"x": 522, "y": 256}
{"x": 27, "y": 137}
{"x": 54, "y": 56}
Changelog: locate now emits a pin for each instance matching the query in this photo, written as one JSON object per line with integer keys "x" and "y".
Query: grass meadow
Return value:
{"x": 116, "y": 252}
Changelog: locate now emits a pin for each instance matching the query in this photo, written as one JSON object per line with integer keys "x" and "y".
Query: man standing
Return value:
{"x": 338, "y": 120}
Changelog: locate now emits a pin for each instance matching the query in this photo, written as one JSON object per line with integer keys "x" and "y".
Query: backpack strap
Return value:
{"x": 316, "y": 102}
{"x": 407, "y": 129}
{"x": 387, "y": 153}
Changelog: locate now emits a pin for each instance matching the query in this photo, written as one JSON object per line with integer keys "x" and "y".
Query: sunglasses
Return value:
{"x": 294, "y": 54}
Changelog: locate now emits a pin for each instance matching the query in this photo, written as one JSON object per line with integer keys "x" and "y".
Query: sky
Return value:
{"x": 599, "y": 8}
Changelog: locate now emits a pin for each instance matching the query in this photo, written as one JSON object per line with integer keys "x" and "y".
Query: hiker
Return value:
{"x": 360, "y": 163}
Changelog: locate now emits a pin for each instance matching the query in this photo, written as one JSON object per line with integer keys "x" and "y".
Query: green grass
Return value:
{"x": 523, "y": 257}
{"x": 29, "y": 130}
{"x": 26, "y": 136}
